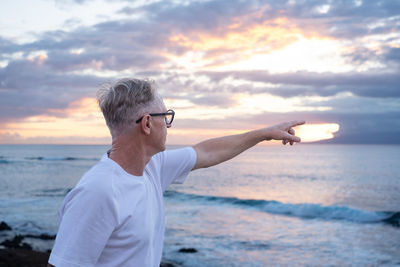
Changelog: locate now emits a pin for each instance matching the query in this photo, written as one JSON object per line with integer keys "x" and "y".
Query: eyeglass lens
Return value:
{"x": 168, "y": 118}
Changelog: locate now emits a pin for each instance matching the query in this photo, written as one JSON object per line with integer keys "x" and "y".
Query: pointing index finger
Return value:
{"x": 295, "y": 123}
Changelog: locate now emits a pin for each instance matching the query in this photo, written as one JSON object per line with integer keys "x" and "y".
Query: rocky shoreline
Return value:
{"x": 18, "y": 257}
{"x": 15, "y": 252}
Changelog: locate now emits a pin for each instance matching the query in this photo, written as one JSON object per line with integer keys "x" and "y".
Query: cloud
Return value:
{"x": 68, "y": 2}
{"x": 7, "y": 138}
{"x": 30, "y": 88}
{"x": 341, "y": 19}
{"x": 354, "y": 128}
{"x": 347, "y": 103}
{"x": 178, "y": 42}
{"x": 219, "y": 100}
{"x": 304, "y": 83}
{"x": 7, "y": 48}
{"x": 393, "y": 55}
{"x": 224, "y": 29}
{"x": 345, "y": 19}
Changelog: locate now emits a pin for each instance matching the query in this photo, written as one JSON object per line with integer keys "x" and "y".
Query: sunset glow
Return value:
{"x": 317, "y": 55}
{"x": 317, "y": 132}
{"x": 82, "y": 118}
{"x": 223, "y": 66}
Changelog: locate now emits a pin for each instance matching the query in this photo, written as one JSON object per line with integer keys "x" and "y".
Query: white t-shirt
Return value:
{"x": 112, "y": 218}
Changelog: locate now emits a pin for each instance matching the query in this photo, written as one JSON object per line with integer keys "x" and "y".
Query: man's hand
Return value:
{"x": 284, "y": 131}
{"x": 214, "y": 151}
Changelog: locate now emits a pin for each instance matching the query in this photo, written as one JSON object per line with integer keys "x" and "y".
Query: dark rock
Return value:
{"x": 26, "y": 246}
{"x": 166, "y": 264}
{"x": 188, "y": 250}
{"x": 28, "y": 258}
{"x": 4, "y": 226}
{"x": 22, "y": 258}
{"x": 16, "y": 243}
{"x": 393, "y": 220}
{"x": 42, "y": 236}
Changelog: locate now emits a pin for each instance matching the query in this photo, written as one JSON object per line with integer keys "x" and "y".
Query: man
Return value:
{"x": 115, "y": 214}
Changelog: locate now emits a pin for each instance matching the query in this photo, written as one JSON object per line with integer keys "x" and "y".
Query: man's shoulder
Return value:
{"x": 97, "y": 180}
{"x": 98, "y": 172}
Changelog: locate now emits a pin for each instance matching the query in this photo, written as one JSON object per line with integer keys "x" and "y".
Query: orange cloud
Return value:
{"x": 81, "y": 118}
{"x": 238, "y": 41}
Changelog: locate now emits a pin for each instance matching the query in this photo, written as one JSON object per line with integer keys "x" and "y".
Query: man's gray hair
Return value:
{"x": 124, "y": 101}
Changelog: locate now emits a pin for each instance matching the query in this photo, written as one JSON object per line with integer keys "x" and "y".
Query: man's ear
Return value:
{"x": 145, "y": 124}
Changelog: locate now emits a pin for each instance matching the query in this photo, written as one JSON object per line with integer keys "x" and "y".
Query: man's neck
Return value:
{"x": 131, "y": 156}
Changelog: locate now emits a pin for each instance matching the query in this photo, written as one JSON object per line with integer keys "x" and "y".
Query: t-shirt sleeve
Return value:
{"x": 87, "y": 220}
{"x": 176, "y": 165}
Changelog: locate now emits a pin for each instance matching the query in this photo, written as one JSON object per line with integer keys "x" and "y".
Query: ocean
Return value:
{"x": 301, "y": 205}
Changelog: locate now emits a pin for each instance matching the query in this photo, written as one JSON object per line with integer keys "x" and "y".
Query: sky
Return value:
{"x": 224, "y": 66}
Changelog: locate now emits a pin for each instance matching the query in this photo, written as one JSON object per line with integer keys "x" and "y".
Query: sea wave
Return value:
{"x": 5, "y": 160}
{"x": 305, "y": 210}
{"x": 59, "y": 158}
{"x": 55, "y": 192}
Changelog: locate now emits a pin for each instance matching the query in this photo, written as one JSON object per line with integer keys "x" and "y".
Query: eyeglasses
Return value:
{"x": 169, "y": 116}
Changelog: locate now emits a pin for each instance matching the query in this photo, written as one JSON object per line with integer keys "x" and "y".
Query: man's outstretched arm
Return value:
{"x": 214, "y": 151}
